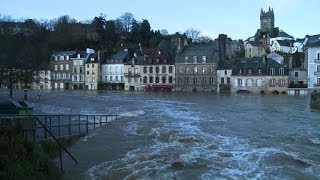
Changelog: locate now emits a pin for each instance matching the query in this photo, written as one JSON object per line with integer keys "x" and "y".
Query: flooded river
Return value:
{"x": 192, "y": 136}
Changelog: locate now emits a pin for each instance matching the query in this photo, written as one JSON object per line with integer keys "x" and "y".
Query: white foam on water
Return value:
{"x": 315, "y": 140}
{"x": 132, "y": 113}
{"x": 51, "y": 109}
{"x": 85, "y": 138}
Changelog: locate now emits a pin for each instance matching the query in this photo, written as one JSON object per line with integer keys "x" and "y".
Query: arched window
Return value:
{"x": 259, "y": 82}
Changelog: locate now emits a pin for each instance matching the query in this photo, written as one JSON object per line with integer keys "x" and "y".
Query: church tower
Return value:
{"x": 267, "y": 20}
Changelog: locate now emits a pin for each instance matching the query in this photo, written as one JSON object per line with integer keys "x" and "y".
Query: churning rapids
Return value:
{"x": 192, "y": 136}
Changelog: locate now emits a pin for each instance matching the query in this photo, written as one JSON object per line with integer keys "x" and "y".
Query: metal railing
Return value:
{"x": 317, "y": 73}
{"x": 55, "y": 126}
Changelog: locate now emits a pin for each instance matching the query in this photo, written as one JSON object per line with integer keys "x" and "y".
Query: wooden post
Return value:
{"x": 100, "y": 121}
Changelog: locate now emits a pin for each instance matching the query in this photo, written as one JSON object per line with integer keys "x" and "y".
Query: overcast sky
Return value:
{"x": 239, "y": 19}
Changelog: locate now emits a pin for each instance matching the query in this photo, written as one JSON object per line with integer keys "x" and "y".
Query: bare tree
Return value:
{"x": 127, "y": 19}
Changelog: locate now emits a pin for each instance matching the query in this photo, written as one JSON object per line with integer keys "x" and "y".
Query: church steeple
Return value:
{"x": 267, "y": 20}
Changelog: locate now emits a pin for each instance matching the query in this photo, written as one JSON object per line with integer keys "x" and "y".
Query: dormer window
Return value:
{"x": 249, "y": 71}
{"x": 204, "y": 59}
{"x": 272, "y": 71}
{"x": 61, "y": 58}
{"x": 56, "y": 58}
{"x": 259, "y": 71}
{"x": 78, "y": 56}
{"x": 67, "y": 57}
{"x": 195, "y": 59}
{"x": 186, "y": 59}
{"x": 240, "y": 71}
{"x": 159, "y": 52}
{"x": 92, "y": 59}
{"x": 281, "y": 71}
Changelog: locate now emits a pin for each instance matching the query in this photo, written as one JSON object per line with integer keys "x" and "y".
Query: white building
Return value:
{"x": 113, "y": 76}
{"x": 224, "y": 80}
{"x": 281, "y": 46}
{"x": 312, "y": 63}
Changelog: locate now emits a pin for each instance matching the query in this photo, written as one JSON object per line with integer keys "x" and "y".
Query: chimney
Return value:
{"x": 290, "y": 63}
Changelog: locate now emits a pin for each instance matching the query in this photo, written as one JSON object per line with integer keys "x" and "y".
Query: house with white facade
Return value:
{"x": 112, "y": 71}
{"x": 284, "y": 46}
{"x": 312, "y": 64}
{"x": 224, "y": 80}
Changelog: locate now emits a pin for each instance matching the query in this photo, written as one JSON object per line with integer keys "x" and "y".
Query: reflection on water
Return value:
{"x": 188, "y": 136}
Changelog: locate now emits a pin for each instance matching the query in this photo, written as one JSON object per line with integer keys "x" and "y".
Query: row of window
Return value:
{"x": 225, "y": 82}
{"x": 271, "y": 71}
{"x": 114, "y": 70}
{"x": 113, "y": 78}
{"x": 204, "y": 80}
{"x": 56, "y": 58}
{"x": 61, "y": 76}
{"x": 61, "y": 67}
{"x": 93, "y": 72}
{"x": 88, "y": 65}
{"x": 157, "y": 79}
{"x": 195, "y": 59}
{"x": 195, "y": 70}
{"x": 157, "y": 69}
{"x": 259, "y": 82}
{"x": 78, "y": 78}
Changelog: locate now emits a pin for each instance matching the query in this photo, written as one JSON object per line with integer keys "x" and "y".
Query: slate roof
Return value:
{"x": 313, "y": 37}
{"x": 254, "y": 43}
{"x": 83, "y": 54}
{"x": 254, "y": 64}
{"x": 120, "y": 56}
{"x": 313, "y": 44}
{"x": 199, "y": 50}
{"x": 163, "y": 57}
{"x": 64, "y": 53}
{"x": 284, "y": 43}
{"x": 94, "y": 56}
{"x": 283, "y": 34}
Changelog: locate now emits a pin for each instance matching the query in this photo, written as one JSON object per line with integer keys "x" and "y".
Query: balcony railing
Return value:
{"x": 317, "y": 73}
{"x": 132, "y": 74}
{"x": 317, "y": 84}
{"x": 317, "y": 61}
{"x": 298, "y": 86}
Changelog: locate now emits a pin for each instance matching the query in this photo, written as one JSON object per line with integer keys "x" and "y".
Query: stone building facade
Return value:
{"x": 61, "y": 68}
{"x": 92, "y": 72}
{"x": 196, "y": 69}
{"x": 259, "y": 75}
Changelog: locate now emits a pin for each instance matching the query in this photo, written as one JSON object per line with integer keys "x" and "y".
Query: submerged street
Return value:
{"x": 191, "y": 136}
